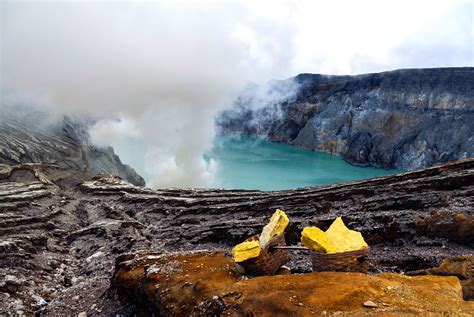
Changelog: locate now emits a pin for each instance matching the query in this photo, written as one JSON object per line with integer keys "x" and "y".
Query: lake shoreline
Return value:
{"x": 252, "y": 162}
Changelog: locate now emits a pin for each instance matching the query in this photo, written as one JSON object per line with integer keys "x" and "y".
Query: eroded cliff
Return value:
{"x": 407, "y": 119}
{"x": 31, "y": 136}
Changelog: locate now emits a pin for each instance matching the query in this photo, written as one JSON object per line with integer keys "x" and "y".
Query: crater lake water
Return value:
{"x": 253, "y": 163}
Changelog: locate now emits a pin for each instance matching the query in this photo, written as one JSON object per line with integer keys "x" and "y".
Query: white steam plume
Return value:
{"x": 164, "y": 67}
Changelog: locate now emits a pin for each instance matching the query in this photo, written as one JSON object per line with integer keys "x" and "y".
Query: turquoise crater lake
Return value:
{"x": 254, "y": 163}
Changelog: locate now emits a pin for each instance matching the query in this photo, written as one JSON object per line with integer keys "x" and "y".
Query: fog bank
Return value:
{"x": 156, "y": 71}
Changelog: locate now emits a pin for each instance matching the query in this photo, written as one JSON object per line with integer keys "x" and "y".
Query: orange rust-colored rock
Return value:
{"x": 460, "y": 266}
{"x": 203, "y": 283}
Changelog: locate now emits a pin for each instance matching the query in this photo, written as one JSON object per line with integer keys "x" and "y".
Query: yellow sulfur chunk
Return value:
{"x": 251, "y": 249}
{"x": 343, "y": 238}
{"x": 338, "y": 238}
{"x": 275, "y": 227}
{"x": 246, "y": 250}
{"x": 315, "y": 239}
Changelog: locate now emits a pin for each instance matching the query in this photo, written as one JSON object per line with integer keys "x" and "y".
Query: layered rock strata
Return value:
{"x": 61, "y": 231}
{"x": 31, "y": 136}
{"x": 406, "y": 119}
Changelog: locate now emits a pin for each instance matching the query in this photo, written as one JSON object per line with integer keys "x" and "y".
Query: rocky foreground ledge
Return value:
{"x": 207, "y": 283}
{"x": 61, "y": 233}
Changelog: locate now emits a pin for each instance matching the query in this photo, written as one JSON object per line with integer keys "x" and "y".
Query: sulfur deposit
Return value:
{"x": 275, "y": 227}
{"x": 338, "y": 238}
{"x": 251, "y": 249}
{"x": 246, "y": 250}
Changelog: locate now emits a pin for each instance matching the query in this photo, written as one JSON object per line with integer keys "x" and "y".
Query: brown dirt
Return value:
{"x": 208, "y": 283}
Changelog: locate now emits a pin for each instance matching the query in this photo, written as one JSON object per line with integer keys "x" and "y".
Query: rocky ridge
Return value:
{"x": 31, "y": 136}
{"x": 405, "y": 119}
{"x": 62, "y": 231}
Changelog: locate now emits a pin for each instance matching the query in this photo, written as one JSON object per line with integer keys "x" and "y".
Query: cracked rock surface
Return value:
{"x": 62, "y": 230}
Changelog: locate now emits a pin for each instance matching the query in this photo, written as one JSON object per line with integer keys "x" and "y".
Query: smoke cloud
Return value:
{"x": 157, "y": 71}
{"x": 162, "y": 68}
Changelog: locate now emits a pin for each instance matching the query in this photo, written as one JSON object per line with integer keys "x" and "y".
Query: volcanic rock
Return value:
{"x": 370, "y": 304}
{"x": 406, "y": 119}
{"x": 461, "y": 267}
{"x": 206, "y": 283}
{"x": 65, "y": 252}
{"x": 31, "y": 136}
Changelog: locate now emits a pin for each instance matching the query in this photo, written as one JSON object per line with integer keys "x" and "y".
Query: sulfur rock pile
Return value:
{"x": 246, "y": 250}
{"x": 338, "y": 238}
{"x": 251, "y": 249}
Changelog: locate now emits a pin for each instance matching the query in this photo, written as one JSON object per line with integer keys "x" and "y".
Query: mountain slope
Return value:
{"x": 408, "y": 119}
{"x": 29, "y": 136}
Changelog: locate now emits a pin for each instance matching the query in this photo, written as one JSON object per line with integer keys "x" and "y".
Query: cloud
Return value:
{"x": 353, "y": 37}
{"x": 112, "y": 131}
{"x": 165, "y": 66}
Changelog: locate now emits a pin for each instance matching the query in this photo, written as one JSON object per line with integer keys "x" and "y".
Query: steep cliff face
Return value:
{"x": 409, "y": 118}
{"x": 29, "y": 136}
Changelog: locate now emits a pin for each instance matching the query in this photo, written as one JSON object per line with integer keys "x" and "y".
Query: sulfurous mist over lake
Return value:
{"x": 246, "y": 162}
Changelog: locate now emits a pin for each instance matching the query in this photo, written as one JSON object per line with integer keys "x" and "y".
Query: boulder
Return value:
{"x": 459, "y": 266}
{"x": 205, "y": 283}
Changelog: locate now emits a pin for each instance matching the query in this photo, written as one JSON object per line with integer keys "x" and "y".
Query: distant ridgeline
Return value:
{"x": 31, "y": 136}
{"x": 407, "y": 119}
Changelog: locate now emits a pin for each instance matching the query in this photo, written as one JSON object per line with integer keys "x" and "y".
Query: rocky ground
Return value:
{"x": 63, "y": 230}
{"x": 207, "y": 283}
{"x": 406, "y": 119}
{"x": 32, "y": 136}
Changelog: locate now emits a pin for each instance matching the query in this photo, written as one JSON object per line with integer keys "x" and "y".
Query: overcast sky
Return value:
{"x": 166, "y": 67}
{"x": 367, "y": 36}
{"x": 281, "y": 38}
